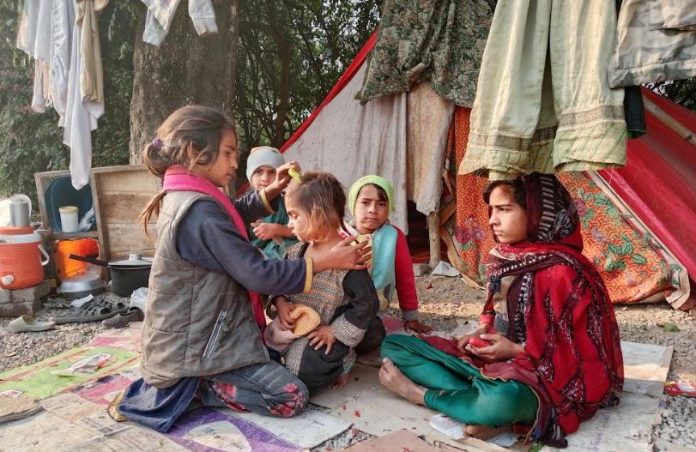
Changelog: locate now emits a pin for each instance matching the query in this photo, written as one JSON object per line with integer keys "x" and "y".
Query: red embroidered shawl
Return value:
{"x": 559, "y": 308}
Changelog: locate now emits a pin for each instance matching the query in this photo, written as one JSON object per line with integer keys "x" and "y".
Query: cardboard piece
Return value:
{"x": 307, "y": 430}
{"x": 209, "y": 429}
{"x": 43, "y": 431}
{"x": 402, "y": 440}
{"x": 364, "y": 402}
{"x": 629, "y": 425}
{"x": 626, "y": 427}
{"x": 645, "y": 367}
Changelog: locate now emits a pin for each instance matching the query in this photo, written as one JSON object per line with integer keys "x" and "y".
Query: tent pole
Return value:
{"x": 434, "y": 236}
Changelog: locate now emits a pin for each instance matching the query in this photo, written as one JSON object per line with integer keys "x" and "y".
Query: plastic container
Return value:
{"x": 21, "y": 258}
{"x": 68, "y": 218}
{"x": 66, "y": 267}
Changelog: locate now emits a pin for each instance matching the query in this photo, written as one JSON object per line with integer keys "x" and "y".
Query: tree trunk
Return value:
{"x": 185, "y": 69}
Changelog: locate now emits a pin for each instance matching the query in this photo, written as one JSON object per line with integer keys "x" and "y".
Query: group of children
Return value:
{"x": 546, "y": 356}
{"x": 205, "y": 334}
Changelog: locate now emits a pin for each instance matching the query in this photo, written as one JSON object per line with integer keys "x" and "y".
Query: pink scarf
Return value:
{"x": 178, "y": 178}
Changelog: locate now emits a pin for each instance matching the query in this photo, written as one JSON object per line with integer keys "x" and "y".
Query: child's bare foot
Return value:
{"x": 340, "y": 382}
{"x": 392, "y": 379}
{"x": 483, "y": 432}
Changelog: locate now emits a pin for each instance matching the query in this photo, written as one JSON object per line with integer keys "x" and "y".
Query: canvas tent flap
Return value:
{"x": 640, "y": 260}
{"x": 635, "y": 267}
{"x": 659, "y": 182}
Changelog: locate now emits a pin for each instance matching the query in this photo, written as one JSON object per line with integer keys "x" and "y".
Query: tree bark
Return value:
{"x": 185, "y": 69}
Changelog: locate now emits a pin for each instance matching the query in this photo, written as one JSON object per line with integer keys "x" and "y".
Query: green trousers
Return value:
{"x": 457, "y": 388}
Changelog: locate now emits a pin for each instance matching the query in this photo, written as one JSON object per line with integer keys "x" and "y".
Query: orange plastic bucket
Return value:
{"x": 66, "y": 267}
{"x": 21, "y": 260}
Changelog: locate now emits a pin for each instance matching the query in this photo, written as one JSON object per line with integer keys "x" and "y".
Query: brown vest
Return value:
{"x": 197, "y": 322}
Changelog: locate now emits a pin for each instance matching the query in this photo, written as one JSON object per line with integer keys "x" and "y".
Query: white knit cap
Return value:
{"x": 263, "y": 156}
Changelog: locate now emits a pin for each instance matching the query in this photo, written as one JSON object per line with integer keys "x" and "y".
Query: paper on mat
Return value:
{"x": 645, "y": 367}
{"x": 307, "y": 430}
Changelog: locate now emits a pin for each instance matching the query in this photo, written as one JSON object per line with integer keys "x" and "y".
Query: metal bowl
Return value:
{"x": 81, "y": 286}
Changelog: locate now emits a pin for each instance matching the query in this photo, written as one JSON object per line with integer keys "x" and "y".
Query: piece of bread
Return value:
{"x": 306, "y": 319}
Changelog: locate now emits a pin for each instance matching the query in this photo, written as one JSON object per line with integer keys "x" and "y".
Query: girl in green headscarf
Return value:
{"x": 371, "y": 200}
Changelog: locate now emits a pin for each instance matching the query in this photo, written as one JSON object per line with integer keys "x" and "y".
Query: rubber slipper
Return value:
{"x": 124, "y": 318}
{"x": 26, "y": 323}
{"x": 85, "y": 314}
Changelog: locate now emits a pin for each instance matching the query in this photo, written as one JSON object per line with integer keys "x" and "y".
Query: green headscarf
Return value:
{"x": 371, "y": 179}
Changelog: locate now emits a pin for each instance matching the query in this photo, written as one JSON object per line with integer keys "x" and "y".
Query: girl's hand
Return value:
{"x": 282, "y": 179}
{"x": 344, "y": 256}
{"x": 501, "y": 348}
{"x": 284, "y": 309}
{"x": 418, "y": 327}
{"x": 266, "y": 231}
{"x": 463, "y": 341}
{"x": 321, "y": 336}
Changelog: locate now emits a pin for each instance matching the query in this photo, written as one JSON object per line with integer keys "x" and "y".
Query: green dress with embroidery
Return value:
{"x": 457, "y": 388}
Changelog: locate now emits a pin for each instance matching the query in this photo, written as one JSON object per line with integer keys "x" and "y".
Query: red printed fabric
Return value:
{"x": 559, "y": 308}
{"x": 633, "y": 265}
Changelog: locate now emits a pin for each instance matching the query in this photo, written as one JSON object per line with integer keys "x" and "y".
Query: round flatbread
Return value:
{"x": 306, "y": 320}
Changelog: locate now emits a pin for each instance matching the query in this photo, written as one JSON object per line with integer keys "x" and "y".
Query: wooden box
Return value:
{"x": 119, "y": 194}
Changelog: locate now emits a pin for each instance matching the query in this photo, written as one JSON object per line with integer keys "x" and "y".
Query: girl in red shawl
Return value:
{"x": 547, "y": 353}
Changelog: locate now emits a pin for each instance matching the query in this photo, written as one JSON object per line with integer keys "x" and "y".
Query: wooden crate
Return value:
{"x": 119, "y": 194}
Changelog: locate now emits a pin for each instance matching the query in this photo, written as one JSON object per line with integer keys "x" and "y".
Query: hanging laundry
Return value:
{"x": 441, "y": 41}
{"x": 63, "y": 22}
{"x": 26, "y": 31}
{"x": 40, "y": 94}
{"x": 85, "y": 104}
{"x": 648, "y": 52}
{"x": 160, "y": 14}
{"x": 91, "y": 71}
{"x": 34, "y": 37}
{"x": 679, "y": 14}
{"x": 543, "y": 102}
{"x": 429, "y": 118}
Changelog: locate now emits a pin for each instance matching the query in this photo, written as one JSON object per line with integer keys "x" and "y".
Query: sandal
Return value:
{"x": 27, "y": 323}
{"x": 90, "y": 312}
{"x": 124, "y": 318}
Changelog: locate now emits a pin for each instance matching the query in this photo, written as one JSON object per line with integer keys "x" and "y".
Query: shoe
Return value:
{"x": 124, "y": 318}
{"x": 90, "y": 312}
{"x": 25, "y": 323}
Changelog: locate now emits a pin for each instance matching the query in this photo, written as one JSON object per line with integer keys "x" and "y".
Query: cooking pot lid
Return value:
{"x": 134, "y": 260}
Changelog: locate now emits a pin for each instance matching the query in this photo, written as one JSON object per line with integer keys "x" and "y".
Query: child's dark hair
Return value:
{"x": 516, "y": 187}
{"x": 189, "y": 136}
{"x": 380, "y": 192}
{"x": 322, "y": 197}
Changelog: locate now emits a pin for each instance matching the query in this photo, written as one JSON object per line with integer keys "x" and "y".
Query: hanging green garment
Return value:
{"x": 440, "y": 40}
{"x": 457, "y": 388}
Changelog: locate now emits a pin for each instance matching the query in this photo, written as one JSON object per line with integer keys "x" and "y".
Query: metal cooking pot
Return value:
{"x": 81, "y": 285}
{"x": 126, "y": 275}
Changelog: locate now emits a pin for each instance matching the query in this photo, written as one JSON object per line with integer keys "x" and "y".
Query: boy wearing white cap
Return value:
{"x": 270, "y": 234}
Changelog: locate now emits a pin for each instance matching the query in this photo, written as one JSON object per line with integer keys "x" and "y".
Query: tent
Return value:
{"x": 637, "y": 220}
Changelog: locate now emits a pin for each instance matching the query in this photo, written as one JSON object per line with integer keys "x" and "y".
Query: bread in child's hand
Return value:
{"x": 306, "y": 319}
